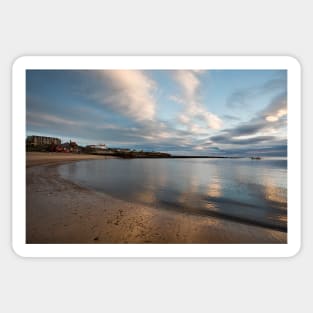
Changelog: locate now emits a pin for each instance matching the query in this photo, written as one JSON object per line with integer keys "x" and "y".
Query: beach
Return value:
{"x": 59, "y": 211}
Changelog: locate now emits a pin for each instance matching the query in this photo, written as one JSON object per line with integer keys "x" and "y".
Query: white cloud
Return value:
{"x": 212, "y": 120}
{"x": 197, "y": 130}
{"x": 277, "y": 109}
{"x": 276, "y": 116}
{"x": 196, "y": 117}
{"x": 189, "y": 82}
{"x": 184, "y": 119}
{"x": 130, "y": 92}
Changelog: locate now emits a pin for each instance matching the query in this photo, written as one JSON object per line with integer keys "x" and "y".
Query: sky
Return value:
{"x": 182, "y": 112}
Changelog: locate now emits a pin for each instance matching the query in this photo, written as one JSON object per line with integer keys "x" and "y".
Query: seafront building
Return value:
{"x": 99, "y": 147}
{"x": 42, "y": 140}
{"x": 66, "y": 147}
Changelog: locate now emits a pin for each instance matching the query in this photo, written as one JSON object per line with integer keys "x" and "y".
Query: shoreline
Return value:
{"x": 54, "y": 158}
{"x": 59, "y": 211}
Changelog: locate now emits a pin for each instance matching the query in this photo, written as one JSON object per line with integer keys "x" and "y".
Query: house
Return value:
{"x": 67, "y": 147}
{"x": 99, "y": 149}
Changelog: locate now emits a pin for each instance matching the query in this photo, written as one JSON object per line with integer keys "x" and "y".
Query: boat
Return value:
{"x": 256, "y": 158}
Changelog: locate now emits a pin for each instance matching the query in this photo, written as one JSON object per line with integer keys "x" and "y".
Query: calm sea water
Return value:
{"x": 241, "y": 190}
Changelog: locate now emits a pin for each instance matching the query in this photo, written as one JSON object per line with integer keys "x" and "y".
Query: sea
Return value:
{"x": 242, "y": 190}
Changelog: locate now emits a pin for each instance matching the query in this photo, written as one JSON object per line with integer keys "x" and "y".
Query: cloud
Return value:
{"x": 189, "y": 83}
{"x": 239, "y": 141}
{"x": 231, "y": 117}
{"x": 263, "y": 150}
{"x": 245, "y": 129}
{"x": 260, "y": 132}
{"x": 243, "y": 97}
{"x": 49, "y": 118}
{"x": 277, "y": 109}
{"x": 195, "y": 116}
{"x": 128, "y": 92}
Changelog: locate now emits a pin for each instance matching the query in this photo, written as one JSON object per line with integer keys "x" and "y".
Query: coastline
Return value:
{"x": 53, "y": 158}
{"x": 59, "y": 211}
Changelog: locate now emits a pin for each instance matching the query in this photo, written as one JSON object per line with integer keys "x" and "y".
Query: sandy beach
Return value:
{"x": 59, "y": 211}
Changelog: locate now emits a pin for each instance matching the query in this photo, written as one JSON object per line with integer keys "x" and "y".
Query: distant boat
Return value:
{"x": 256, "y": 158}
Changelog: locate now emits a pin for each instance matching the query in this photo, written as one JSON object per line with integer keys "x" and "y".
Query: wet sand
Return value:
{"x": 43, "y": 158}
{"x": 59, "y": 211}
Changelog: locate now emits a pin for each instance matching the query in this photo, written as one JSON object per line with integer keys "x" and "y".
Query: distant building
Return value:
{"x": 98, "y": 147}
{"x": 67, "y": 147}
{"x": 42, "y": 140}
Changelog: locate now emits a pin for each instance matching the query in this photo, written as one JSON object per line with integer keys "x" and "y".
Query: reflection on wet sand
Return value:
{"x": 274, "y": 193}
{"x": 146, "y": 196}
{"x": 214, "y": 189}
